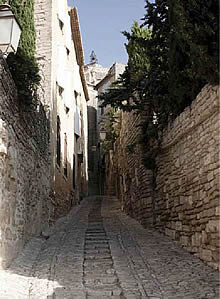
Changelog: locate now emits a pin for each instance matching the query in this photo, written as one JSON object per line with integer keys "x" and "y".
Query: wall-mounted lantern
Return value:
{"x": 102, "y": 134}
{"x": 10, "y": 30}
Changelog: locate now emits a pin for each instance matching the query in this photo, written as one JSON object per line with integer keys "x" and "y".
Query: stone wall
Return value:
{"x": 185, "y": 204}
{"x": 25, "y": 206}
{"x": 43, "y": 20}
{"x": 125, "y": 171}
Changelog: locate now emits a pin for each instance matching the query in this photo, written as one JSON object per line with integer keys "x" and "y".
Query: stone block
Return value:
{"x": 206, "y": 255}
{"x": 186, "y": 228}
{"x": 210, "y": 176}
{"x": 205, "y": 238}
{"x": 212, "y": 226}
{"x": 171, "y": 233}
{"x": 184, "y": 240}
{"x": 196, "y": 239}
{"x": 215, "y": 256}
{"x": 178, "y": 225}
{"x": 217, "y": 211}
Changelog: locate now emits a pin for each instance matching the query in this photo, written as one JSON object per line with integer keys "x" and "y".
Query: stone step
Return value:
{"x": 91, "y": 233}
{"x": 96, "y": 246}
{"x": 101, "y": 264}
{"x": 104, "y": 297}
{"x": 104, "y": 279}
{"x": 98, "y": 272}
{"x": 97, "y": 257}
{"x": 96, "y": 238}
{"x": 102, "y": 291}
{"x": 93, "y": 241}
{"x": 95, "y": 230}
{"x": 97, "y": 251}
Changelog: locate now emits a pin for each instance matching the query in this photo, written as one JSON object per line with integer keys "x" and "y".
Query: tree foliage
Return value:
{"x": 172, "y": 55}
{"x": 23, "y": 65}
{"x": 193, "y": 49}
{"x": 124, "y": 93}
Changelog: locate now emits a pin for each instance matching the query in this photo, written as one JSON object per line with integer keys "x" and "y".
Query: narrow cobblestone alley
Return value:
{"x": 99, "y": 252}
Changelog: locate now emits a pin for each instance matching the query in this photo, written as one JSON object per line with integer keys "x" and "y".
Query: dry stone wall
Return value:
{"x": 185, "y": 204}
{"x": 126, "y": 172}
{"x": 25, "y": 207}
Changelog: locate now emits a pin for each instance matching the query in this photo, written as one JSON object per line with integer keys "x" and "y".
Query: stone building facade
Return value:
{"x": 185, "y": 201}
{"x": 64, "y": 89}
{"x": 98, "y": 78}
{"x": 25, "y": 205}
{"x": 113, "y": 73}
{"x": 103, "y": 118}
{"x": 94, "y": 73}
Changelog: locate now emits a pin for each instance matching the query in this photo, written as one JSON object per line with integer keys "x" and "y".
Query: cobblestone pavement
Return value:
{"x": 98, "y": 252}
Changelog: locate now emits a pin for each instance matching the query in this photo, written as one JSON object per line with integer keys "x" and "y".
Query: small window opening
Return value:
{"x": 58, "y": 152}
{"x": 65, "y": 155}
{"x": 61, "y": 25}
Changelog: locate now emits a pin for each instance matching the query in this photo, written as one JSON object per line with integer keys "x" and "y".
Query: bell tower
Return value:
{"x": 93, "y": 58}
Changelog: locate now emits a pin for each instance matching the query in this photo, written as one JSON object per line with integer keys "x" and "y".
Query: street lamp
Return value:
{"x": 102, "y": 134}
{"x": 10, "y": 30}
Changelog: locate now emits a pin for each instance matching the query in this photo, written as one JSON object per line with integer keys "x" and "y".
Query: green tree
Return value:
{"x": 193, "y": 49}
{"x": 171, "y": 57}
{"x": 125, "y": 92}
{"x": 155, "y": 83}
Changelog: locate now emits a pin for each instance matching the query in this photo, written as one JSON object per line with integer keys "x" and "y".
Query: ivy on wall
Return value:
{"x": 25, "y": 72}
{"x": 23, "y": 64}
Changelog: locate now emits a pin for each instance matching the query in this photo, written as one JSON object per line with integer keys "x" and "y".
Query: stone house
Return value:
{"x": 98, "y": 78}
{"x": 60, "y": 55}
{"x": 94, "y": 73}
{"x": 43, "y": 151}
{"x": 104, "y": 121}
{"x": 114, "y": 71}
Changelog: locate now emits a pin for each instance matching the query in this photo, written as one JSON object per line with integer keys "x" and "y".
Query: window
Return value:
{"x": 65, "y": 155}
{"x": 74, "y": 172}
{"x": 76, "y": 96}
{"x": 58, "y": 153}
{"x": 61, "y": 25}
{"x": 60, "y": 91}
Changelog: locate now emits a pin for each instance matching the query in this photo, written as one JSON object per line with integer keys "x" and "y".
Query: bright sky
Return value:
{"x": 101, "y": 23}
